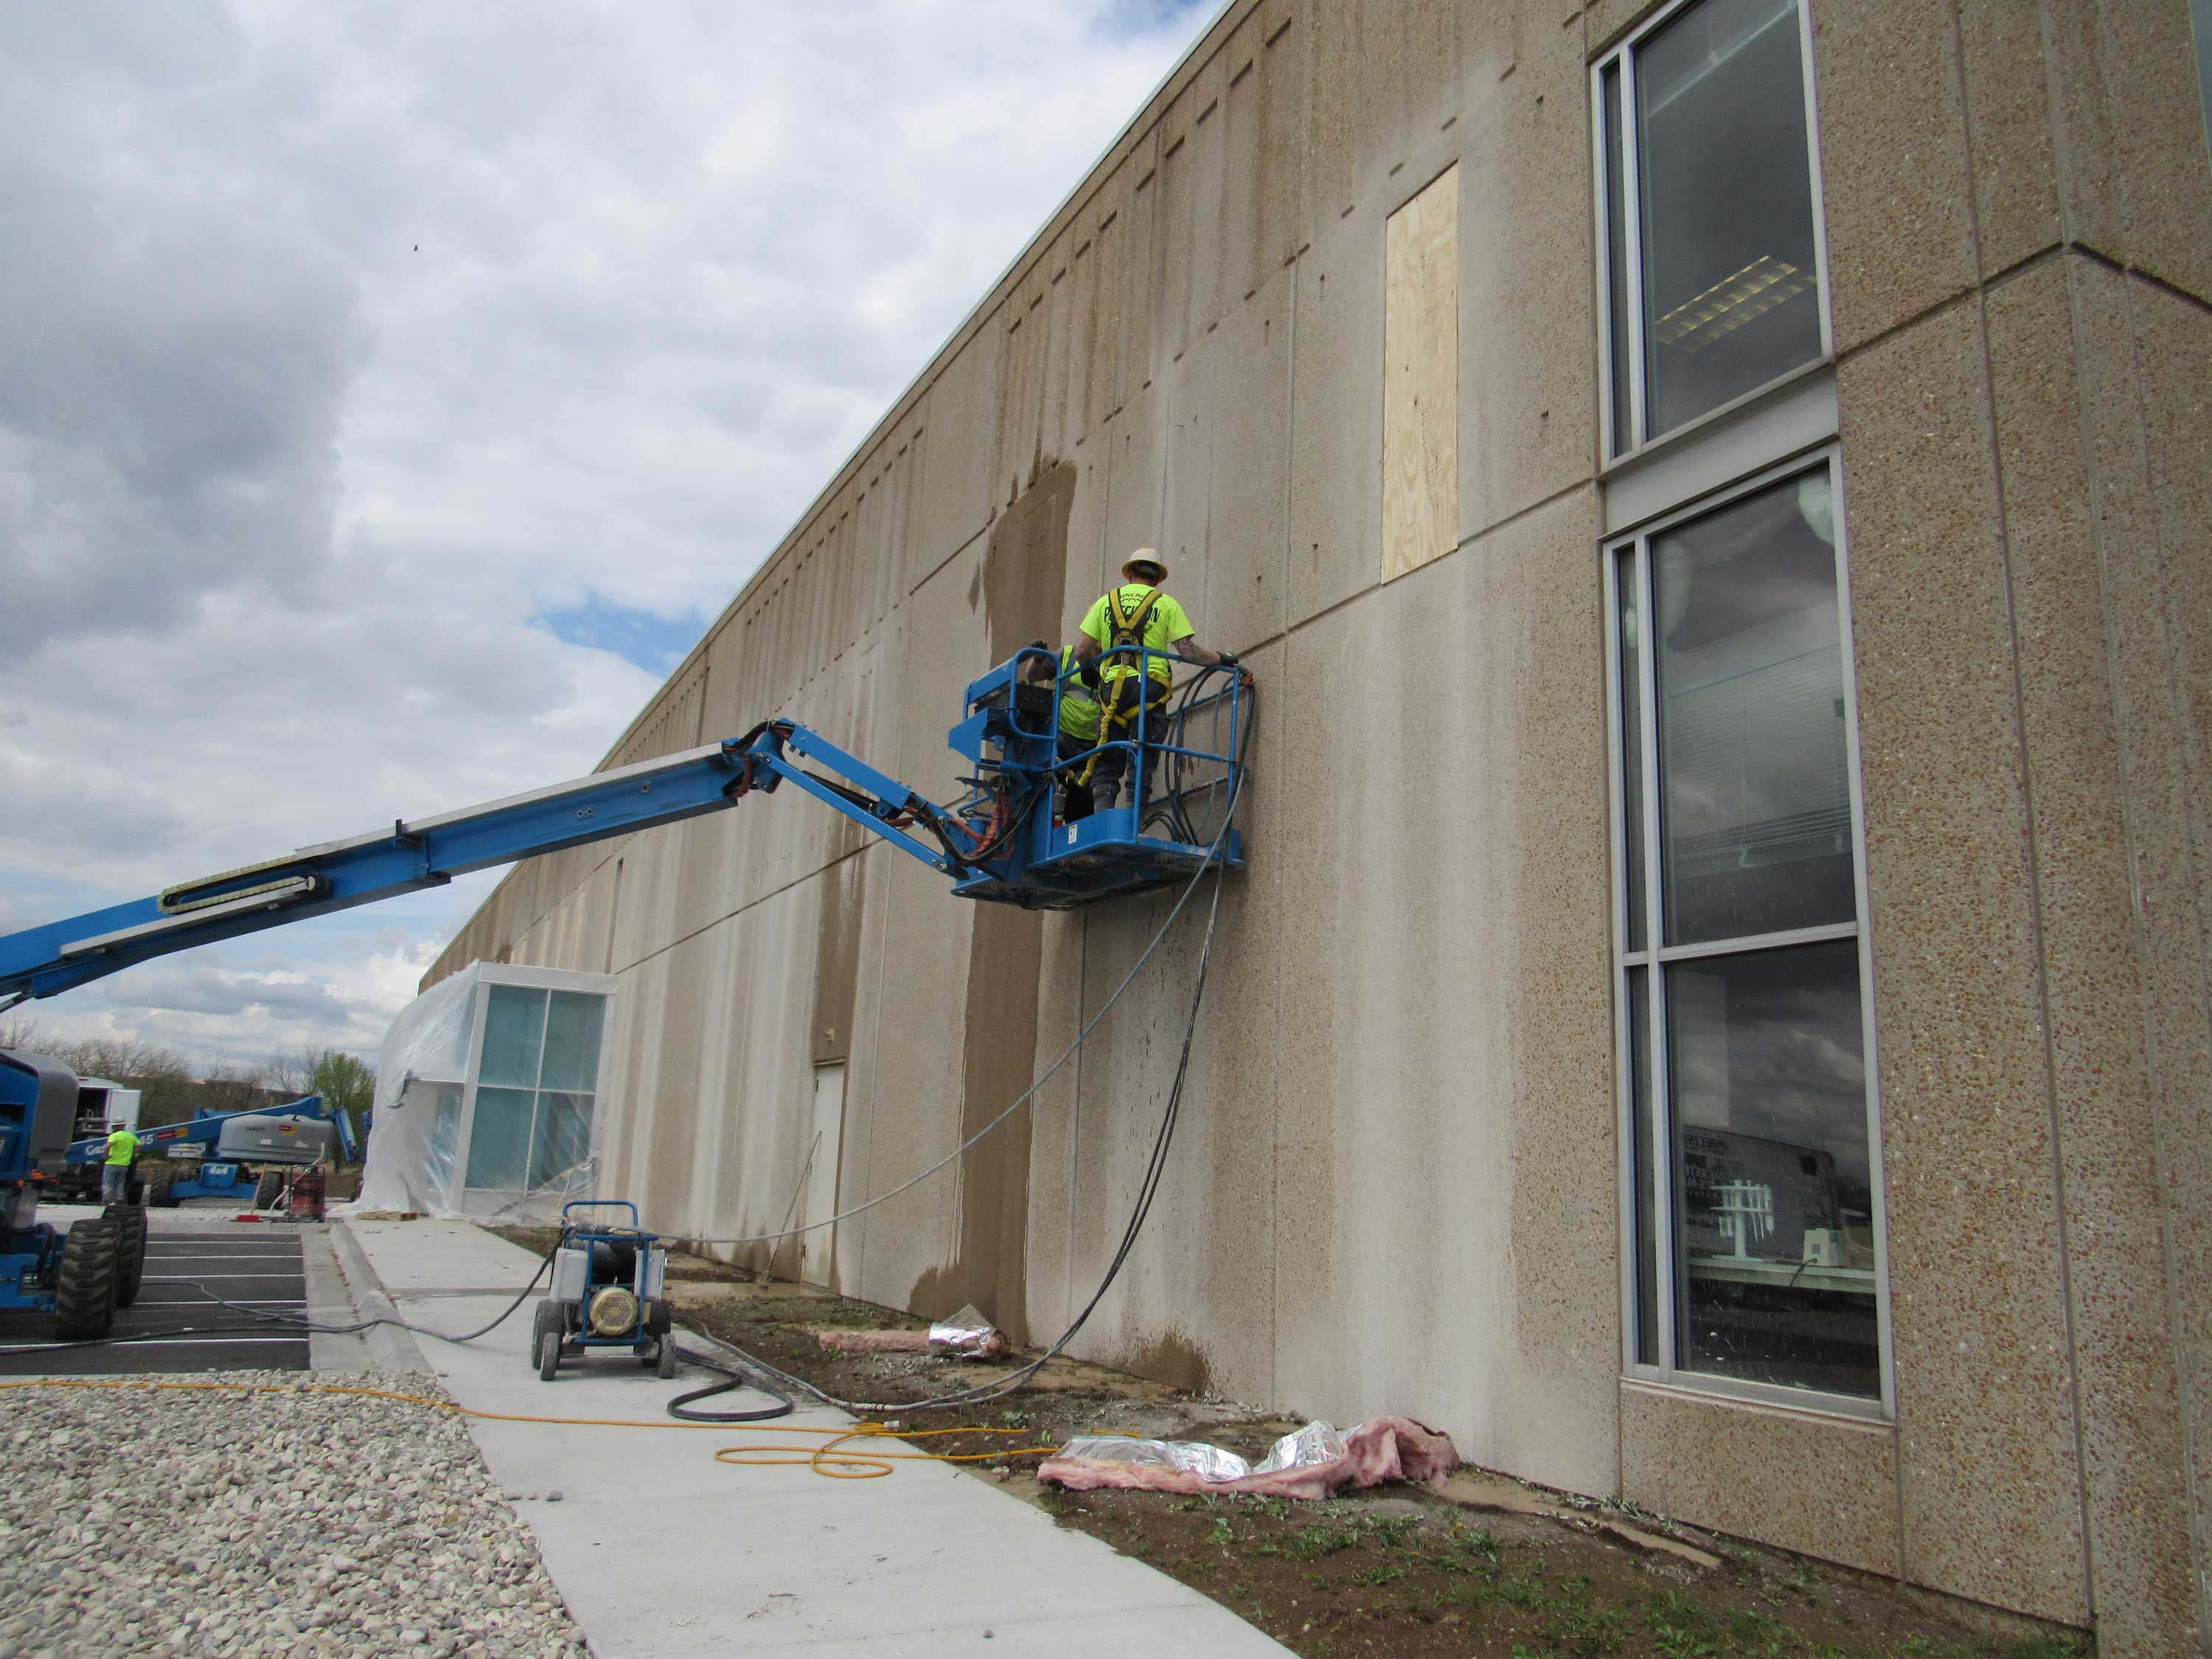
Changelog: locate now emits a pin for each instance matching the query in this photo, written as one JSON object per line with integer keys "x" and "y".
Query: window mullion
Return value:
{"x": 1632, "y": 185}
{"x": 1813, "y": 164}
{"x": 1661, "y": 1197}
{"x": 1602, "y": 162}
{"x": 1750, "y": 944}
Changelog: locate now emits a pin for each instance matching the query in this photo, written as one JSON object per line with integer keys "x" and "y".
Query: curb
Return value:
{"x": 390, "y": 1349}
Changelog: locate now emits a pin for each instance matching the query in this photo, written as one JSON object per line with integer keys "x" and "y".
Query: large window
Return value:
{"x": 1709, "y": 216}
{"x": 536, "y": 1084}
{"x": 1753, "y": 1202}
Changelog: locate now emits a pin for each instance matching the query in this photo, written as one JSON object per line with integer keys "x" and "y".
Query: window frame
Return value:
{"x": 1652, "y": 958}
{"x": 1621, "y": 57}
{"x": 547, "y": 985}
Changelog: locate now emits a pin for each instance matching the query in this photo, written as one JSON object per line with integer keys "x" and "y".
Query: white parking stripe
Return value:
{"x": 179, "y": 1342}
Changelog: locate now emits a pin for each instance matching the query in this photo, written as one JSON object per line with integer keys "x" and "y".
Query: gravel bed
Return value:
{"x": 277, "y": 1521}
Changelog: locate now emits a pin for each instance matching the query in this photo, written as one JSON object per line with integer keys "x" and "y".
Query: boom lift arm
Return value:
{"x": 998, "y": 842}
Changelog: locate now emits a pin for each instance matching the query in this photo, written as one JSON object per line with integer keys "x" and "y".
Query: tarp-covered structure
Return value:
{"x": 488, "y": 1091}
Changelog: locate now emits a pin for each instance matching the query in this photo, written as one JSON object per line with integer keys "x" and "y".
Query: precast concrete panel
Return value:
{"x": 1249, "y": 475}
{"x": 957, "y": 455}
{"x": 2134, "y": 1442}
{"x": 1336, "y": 430}
{"x": 1826, "y": 1485}
{"x": 1990, "y": 1493}
{"x": 1055, "y": 1138}
{"x": 2007, "y": 89}
{"x": 2143, "y": 352}
{"x": 2135, "y": 171}
{"x": 1893, "y": 162}
{"x": 1526, "y": 328}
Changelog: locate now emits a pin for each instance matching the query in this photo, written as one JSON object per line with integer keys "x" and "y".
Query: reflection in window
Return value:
{"x": 1756, "y": 813}
{"x": 1720, "y": 195}
{"x": 499, "y": 1137}
{"x": 1752, "y": 1216}
{"x": 1775, "y": 1236}
{"x": 535, "y": 1098}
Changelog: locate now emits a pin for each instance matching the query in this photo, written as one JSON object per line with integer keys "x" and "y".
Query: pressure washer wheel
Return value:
{"x": 666, "y": 1366}
{"x": 85, "y": 1287}
{"x": 545, "y": 1340}
{"x": 129, "y": 1221}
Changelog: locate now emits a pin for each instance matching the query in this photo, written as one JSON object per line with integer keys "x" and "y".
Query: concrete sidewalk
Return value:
{"x": 660, "y": 1551}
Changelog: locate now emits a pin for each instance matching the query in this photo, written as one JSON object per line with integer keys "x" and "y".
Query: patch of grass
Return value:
{"x": 1318, "y": 1538}
{"x": 1378, "y": 1574}
{"x": 1220, "y": 1533}
{"x": 2044, "y": 1647}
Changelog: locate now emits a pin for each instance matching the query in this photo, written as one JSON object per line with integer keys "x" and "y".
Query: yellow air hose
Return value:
{"x": 825, "y": 1459}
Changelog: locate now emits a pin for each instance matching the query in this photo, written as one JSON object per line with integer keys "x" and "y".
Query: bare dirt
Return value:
{"x": 1487, "y": 1568}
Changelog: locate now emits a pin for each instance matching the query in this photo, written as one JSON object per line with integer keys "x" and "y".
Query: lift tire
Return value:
{"x": 548, "y": 1355}
{"x": 268, "y": 1190}
{"x": 85, "y": 1287}
{"x": 164, "y": 1193}
{"x": 667, "y": 1368}
{"x": 129, "y": 1221}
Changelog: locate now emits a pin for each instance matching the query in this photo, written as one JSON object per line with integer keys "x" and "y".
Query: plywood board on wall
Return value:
{"x": 1420, "y": 391}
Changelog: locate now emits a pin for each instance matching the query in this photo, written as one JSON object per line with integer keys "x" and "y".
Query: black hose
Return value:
{"x": 738, "y": 1377}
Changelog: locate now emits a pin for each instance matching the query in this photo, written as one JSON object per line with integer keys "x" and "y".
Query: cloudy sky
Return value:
{"x": 394, "y": 391}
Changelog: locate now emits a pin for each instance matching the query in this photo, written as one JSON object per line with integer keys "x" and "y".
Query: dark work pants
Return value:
{"x": 1075, "y": 798}
{"x": 1114, "y": 762}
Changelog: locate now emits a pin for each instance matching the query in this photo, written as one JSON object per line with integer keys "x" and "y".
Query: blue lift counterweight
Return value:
{"x": 999, "y": 841}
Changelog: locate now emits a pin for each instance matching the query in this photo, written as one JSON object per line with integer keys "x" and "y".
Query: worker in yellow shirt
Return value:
{"x": 122, "y": 1158}
{"x": 1079, "y": 728}
{"x": 1137, "y": 613}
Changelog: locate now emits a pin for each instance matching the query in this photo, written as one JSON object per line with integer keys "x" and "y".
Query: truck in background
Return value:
{"x": 100, "y": 1103}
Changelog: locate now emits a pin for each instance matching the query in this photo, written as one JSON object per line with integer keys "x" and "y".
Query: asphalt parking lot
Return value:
{"x": 258, "y": 1267}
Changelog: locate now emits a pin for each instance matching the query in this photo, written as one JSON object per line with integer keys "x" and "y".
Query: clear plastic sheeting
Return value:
{"x": 487, "y": 1096}
{"x": 1317, "y": 1443}
{"x": 967, "y": 1335}
{"x": 1313, "y": 1463}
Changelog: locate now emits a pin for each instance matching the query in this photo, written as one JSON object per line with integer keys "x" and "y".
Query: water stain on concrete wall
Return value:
{"x": 1023, "y": 572}
{"x": 1176, "y": 1360}
{"x": 837, "y": 962}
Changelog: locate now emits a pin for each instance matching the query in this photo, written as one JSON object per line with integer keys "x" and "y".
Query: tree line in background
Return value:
{"x": 172, "y": 1089}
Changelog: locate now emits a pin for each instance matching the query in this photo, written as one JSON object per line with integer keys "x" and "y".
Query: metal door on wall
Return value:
{"x": 817, "y": 1248}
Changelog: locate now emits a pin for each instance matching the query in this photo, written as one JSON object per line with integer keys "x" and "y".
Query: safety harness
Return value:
{"x": 1117, "y": 711}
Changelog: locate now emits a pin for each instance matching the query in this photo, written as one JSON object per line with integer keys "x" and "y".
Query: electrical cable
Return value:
{"x": 1148, "y": 1190}
{"x": 1067, "y": 1053}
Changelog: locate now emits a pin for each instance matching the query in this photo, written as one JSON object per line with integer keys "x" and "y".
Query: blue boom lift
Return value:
{"x": 239, "y": 1153}
{"x": 999, "y": 840}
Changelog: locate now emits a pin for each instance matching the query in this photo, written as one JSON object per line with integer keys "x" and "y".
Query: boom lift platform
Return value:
{"x": 1000, "y": 840}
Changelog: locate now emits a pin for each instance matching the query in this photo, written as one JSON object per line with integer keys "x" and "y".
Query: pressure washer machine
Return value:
{"x": 607, "y": 1293}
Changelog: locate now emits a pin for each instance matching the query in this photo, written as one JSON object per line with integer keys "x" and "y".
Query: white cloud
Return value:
{"x": 345, "y": 341}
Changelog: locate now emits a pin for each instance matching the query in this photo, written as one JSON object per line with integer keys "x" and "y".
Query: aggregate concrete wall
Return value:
{"x": 1395, "y": 1185}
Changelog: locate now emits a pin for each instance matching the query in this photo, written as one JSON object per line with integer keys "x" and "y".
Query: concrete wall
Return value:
{"x": 1396, "y": 1182}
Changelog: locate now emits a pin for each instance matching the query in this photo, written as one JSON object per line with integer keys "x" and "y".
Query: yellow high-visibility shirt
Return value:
{"x": 1079, "y": 710}
{"x": 122, "y": 1147}
{"x": 1164, "y": 624}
